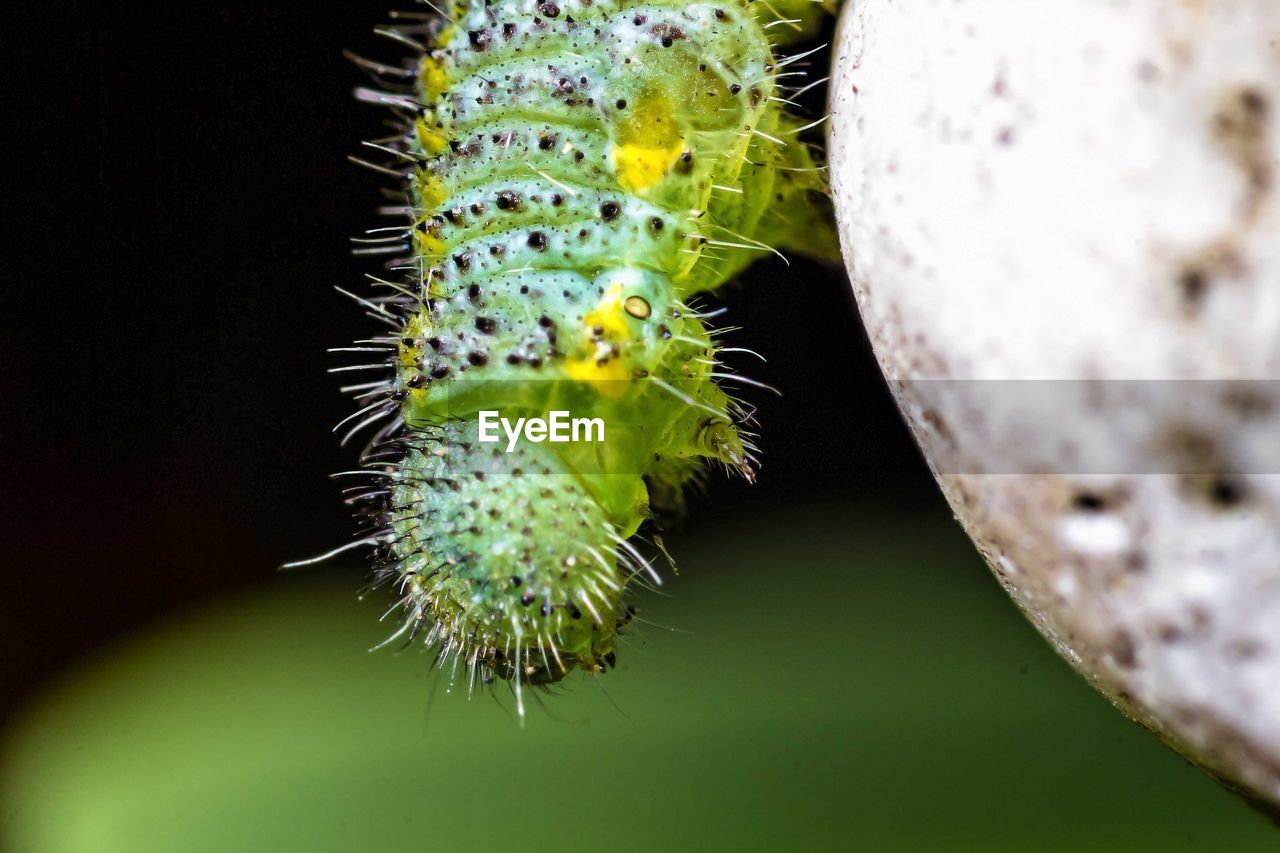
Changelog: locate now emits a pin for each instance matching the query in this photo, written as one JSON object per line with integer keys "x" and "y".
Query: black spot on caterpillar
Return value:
{"x": 576, "y": 172}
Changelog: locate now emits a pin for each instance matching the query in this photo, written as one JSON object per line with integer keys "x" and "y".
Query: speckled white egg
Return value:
{"x": 1062, "y": 225}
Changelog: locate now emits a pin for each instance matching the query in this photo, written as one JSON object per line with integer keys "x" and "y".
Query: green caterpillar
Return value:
{"x": 577, "y": 171}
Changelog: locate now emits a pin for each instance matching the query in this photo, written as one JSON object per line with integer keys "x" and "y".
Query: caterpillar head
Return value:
{"x": 506, "y": 556}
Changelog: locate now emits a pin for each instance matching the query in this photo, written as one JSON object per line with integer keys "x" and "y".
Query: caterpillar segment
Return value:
{"x": 578, "y": 171}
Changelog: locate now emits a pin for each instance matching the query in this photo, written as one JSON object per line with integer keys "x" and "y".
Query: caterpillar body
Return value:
{"x": 576, "y": 172}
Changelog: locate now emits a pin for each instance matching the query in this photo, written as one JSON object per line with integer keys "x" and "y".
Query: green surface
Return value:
{"x": 841, "y": 685}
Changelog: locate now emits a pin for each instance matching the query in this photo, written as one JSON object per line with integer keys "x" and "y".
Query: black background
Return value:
{"x": 178, "y": 208}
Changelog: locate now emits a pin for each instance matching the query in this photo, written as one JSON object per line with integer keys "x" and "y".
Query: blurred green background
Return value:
{"x": 829, "y": 679}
